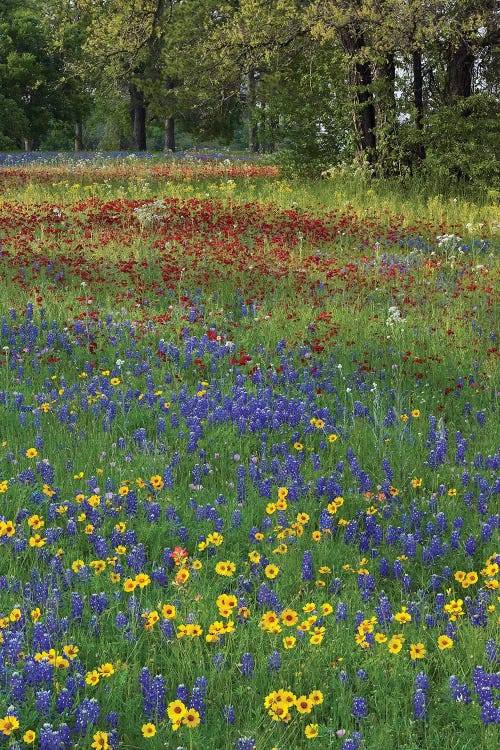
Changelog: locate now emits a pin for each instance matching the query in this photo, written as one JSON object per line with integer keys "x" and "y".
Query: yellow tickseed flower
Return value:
{"x": 417, "y": 651}
{"x": 444, "y": 642}
{"x": 106, "y": 670}
{"x": 402, "y": 616}
{"x": 148, "y": 730}
{"x": 311, "y": 731}
{"x": 271, "y": 571}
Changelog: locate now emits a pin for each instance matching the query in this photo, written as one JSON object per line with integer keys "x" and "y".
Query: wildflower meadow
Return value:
{"x": 249, "y": 460}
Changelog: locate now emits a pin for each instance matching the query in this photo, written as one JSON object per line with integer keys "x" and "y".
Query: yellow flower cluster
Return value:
{"x": 179, "y": 714}
{"x": 279, "y": 704}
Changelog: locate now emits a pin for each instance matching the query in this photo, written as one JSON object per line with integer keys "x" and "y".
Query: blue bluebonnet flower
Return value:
{"x": 420, "y": 704}
{"x": 268, "y": 598}
{"x": 340, "y": 612}
{"x": 244, "y": 743}
{"x": 182, "y": 694}
{"x": 218, "y": 660}
{"x": 86, "y": 714}
{"x": 353, "y": 742}
{"x": 112, "y": 719}
{"x": 486, "y": 686}
{"x": 359, "y": 708}
{"x": 274, "y": 662}
{"x": 43, "y": 702}
{"x": 55, "y": 739}
{"x": 228, "y": 715}
{"x": 307, "y": 566}
{"x": 492, "y": 651}
{"x": 459, "y": 693}
{"x": 421, "y": 681}
{"x": 247, "y": 665}
{"x": 198, "y": 694}
{"x": 64, "y": 700}
{"x": 167, "y": 628}
{"x": 153, "y": 693}
{"x": 17, "y": 687}
{"x": 470, "y": 546}
{"x": 98, "y": 602}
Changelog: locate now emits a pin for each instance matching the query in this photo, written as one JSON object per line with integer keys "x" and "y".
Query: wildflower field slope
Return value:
{"x": 249, "y": 463}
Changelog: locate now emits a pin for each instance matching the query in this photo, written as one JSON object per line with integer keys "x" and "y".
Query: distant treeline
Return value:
{"x": 397, "y": 87}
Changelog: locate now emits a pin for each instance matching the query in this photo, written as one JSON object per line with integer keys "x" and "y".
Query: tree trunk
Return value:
{"x": 78, "y": 136}
{"x": 253, "y": 134}
{"x": 169, "y": 132}
{"x": 169, "y": 141}
{"x": 28, "y": 144}
{"x": 460, "y": 72}
{"x": 363, "y": 104}
{"x": 364, "y": 119}
{"x": 418, "y": 100}
{"x": 386, "y": 115}
{"x": 137, "y": 118}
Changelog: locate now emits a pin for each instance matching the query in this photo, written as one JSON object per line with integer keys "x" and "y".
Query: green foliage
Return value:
{"x": 30, "y": 73}
{"x": 385, "y": 83}
{"x": 463, "y": 142}
{"x": 309, "y": 104}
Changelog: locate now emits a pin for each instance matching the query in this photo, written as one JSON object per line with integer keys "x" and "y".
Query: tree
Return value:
{"x": 31, "y": 75}
{"x": 121, "y": 50}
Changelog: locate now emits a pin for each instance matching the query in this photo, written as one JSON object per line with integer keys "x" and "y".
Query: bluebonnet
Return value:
{"x": 98, "y": 602}
{"x": 228, "y": 715}
{"x": 470, "y": 546}
{"x": 182, "y": 694}
{"x": 244, "y": 743}
{"x": 247, "y": 665}
{"x": 421, "y": 681}
{"x": 43, "y": 702}
{"x": 384, "y": 610}
{"x": 340, "y": 612}
{"x": 359, "y": 708}
{"x": 273, "y": 662}
{"x": 198, "y": 695}
{"x": 353, "y": 742}
{"x": 268, "y": 598}
{"x": 64, "y": 700}
{"x": 459, "y": 693}
{"x": 55, "y": 739}
{"x": 218, "y": 660}
{"x": 492, "y": 651}
{"x": 420, "y": 704}
{"x": 336, "y": 586}
{"x": 307, "y": 566}
{"x": 167, "y": 628}
{"x": 153, "y": 693}
{"x": 485, "y": 684}
{"x": 17, "y": 687}
{"x": 112, "y": 719}
{"x": 86, "y": 714}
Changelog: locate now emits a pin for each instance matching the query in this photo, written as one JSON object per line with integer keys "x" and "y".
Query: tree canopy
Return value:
{"x": 393, "y": 85}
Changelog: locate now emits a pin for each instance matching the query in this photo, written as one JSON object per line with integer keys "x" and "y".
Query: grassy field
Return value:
{"x": 249, "y": 460}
